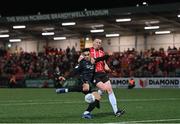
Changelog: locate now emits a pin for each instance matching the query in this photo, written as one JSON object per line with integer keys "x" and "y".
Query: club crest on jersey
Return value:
{"x": 77, "y": 66}
{"x": 94, "y": 81}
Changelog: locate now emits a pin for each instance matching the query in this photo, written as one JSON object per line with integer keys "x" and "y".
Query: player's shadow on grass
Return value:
{"x": 103, "y": 114}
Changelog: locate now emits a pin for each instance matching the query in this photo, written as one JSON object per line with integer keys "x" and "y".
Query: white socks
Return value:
{"x": 113, "y": 102}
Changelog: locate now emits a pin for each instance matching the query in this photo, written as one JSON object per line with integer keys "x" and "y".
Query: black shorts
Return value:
{"x": 100, "y": 77}
{"x": 92, "y": 86}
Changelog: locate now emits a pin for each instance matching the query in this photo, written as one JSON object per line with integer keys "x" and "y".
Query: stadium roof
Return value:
{"x": 163, "y": 15}
{"x": 30, "y": 7}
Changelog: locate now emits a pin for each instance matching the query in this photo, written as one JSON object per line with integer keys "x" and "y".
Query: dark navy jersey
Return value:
{"x": 85, "y": 69}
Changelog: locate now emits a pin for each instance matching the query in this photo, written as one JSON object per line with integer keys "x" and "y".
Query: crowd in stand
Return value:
{"x": 149, "y": 63}
{"x": 37, "y": 64}
{"x": 130, "y": 63}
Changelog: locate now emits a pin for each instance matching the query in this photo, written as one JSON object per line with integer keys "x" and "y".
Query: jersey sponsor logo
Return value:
{"x": 90, "y": 66}
{"x": 164, "y": 82}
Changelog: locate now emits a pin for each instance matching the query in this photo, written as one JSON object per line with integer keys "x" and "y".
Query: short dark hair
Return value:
{"x": 93, "y": 38}
{"x": 85, "y": 49}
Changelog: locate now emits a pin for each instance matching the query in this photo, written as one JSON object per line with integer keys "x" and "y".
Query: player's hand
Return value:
{"x": 107, "y": 68}
{"x": 109, "y": 53}
{"x": 92, "y": 60}
{"x": 80, "y": 58}
{"x": 62, "y": 78}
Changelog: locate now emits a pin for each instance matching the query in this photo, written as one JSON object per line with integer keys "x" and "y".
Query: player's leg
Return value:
{"x": 91, "y": 106}
{"x": 72, "y": 86}
{"x": 62, "y": 90}
{"x": 112, "y": 99}
{"x": 85, "y": 88}
{"x": 93, "y": 90}
{"x": 100, "y": 92}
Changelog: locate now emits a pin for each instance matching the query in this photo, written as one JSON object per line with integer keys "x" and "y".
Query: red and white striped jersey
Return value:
{"x": 95, "y": 54}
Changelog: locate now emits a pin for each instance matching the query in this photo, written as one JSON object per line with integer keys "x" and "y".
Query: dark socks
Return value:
{"x": 93, "y": 105}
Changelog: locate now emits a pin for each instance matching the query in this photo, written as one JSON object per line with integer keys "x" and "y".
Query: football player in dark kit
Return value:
{"x": 85, "y": 69}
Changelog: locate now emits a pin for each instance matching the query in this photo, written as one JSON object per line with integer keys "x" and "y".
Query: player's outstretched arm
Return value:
{"x": 105, "y": 57}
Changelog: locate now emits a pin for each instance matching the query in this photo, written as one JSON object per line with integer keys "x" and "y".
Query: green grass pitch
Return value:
{"x": 45, "y": 106}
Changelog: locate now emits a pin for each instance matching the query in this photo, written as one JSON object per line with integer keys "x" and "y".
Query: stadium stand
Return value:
{"x": 130, "y": 63}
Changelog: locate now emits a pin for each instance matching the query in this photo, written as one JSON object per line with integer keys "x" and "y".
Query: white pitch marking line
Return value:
{"x": 44, "y": 102}
{"x": 161, "y": 120}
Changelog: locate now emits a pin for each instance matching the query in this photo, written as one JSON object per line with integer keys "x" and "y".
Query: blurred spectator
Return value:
{"x": 148, "y": 63}
{"x": 12, "y": 81}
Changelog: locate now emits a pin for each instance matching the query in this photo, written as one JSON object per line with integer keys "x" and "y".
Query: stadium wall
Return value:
{"x": 117, "y": 44}
{"x": 140, "y": 43}
{"x": 158, "y": 41}
{"x": 143, "y": 82}
{"x": 28, "y": 46}
{"x": 38, "y": 46}
{"x": 123, "y": 43}
{"x": 1, "y": 44}
{"x": 65, "y": 43}
{"x": 147, "y": 82}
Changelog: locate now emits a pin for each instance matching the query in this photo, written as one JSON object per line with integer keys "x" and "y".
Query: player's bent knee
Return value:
{"x": 108, "y": 87}
{"x": 85, "y": 92}
{"x": 102, "y": 86}
{"x": 105, "y": 87}
{"x": 85, "y": 87}
{"x": 109, "y": 91}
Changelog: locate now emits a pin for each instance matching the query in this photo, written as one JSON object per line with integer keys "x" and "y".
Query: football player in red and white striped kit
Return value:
{"x": 101, "y": 78}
